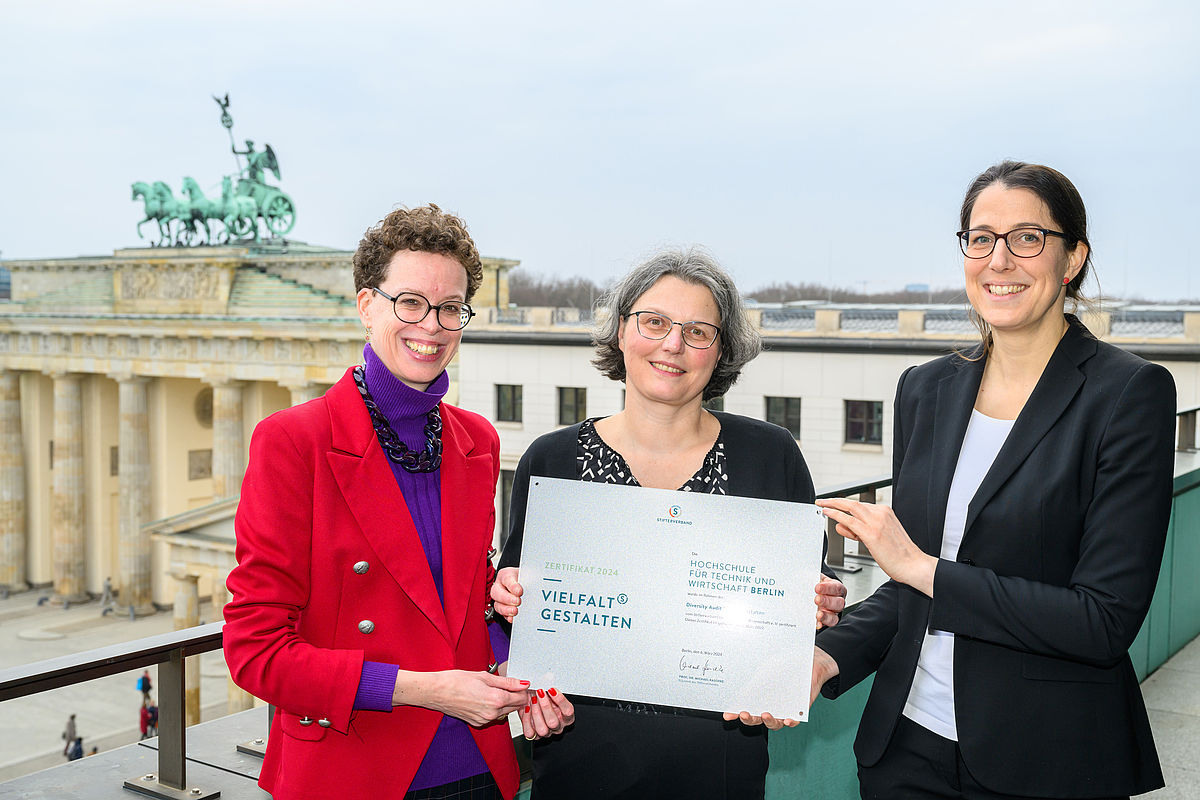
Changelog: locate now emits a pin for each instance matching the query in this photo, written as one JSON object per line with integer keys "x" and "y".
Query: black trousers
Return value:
{"x": 920, "y": 764}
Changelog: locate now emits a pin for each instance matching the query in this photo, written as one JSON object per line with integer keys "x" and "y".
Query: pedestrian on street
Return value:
{"x": 143, "y": 684}
{"x": 144, "y": 718}
{"x": 68, "y": 735}
{"x": 76, "y": 750}
{"x": 108, "y": 602}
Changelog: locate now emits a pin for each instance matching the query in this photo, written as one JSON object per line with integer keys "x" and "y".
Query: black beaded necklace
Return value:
{"x": 428, "y": 459}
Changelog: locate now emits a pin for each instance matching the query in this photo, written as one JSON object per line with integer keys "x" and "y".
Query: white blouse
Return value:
{"x": 931, "y": 698}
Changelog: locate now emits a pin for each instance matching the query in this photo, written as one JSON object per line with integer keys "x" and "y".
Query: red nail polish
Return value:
{"x": 526, "y": 709}
{"x": 552, "y": 691}
{"x": 541, "y": 693}
{"x": 524, "y": 683}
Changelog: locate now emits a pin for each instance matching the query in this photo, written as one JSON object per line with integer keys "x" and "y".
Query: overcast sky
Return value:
{"x": 800, "y": 141}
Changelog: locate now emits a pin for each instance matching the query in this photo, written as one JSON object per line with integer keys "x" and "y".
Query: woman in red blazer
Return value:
{"x": 363, "y": 532}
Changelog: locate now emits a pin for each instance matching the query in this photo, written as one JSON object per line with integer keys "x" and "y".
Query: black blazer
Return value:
{"x": 1054, "y": 575}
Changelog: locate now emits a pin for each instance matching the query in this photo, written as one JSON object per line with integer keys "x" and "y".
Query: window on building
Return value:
{"x": 864, "y": 422}
{"x": 505, "y": 490}
{"x": 715, "y": 404}
{"x": 114, "y": 461}
{"x": 784, "y": 412}
{"x": 572, "y": 405}
{"x": 508, "y": 403}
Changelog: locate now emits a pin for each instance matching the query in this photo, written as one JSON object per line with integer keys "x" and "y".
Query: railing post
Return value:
{"x": 172, "y": 738}
{"x": 1186, "y": 439}
{"x": 171, "y": 782}
{"x": 867, "y": 496}
{"x": 258, "y": 745}
{"x": 836, "y": 557}
{"x": 836, "y": 554}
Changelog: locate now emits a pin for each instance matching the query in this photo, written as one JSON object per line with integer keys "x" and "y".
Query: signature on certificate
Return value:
{"x": 690, "y": 664}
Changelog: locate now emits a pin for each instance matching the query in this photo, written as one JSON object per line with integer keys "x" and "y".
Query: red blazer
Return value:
{"x": 331, "y": 573}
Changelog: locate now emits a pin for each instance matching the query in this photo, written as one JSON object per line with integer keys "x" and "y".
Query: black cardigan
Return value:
{"x": 631, "y": 750}
{"x": 762, "y": 459}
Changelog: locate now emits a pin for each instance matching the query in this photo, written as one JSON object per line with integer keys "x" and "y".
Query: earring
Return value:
{"x": 1066, "y": 279}
{"x": 368, "y": 336}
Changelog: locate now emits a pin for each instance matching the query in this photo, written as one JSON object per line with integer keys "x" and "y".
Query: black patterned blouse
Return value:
{"x": 600, "y": 463}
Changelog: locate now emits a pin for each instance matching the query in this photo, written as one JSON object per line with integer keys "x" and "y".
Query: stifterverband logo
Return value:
{"x": 673, "y": 516}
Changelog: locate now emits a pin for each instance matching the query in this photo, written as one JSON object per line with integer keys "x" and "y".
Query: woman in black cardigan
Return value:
{"x": 676, "y": 334}
{"x": 1032, "y": 489}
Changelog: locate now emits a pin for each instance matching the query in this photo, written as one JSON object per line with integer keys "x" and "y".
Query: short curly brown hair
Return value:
{"x": 426, "y": 229}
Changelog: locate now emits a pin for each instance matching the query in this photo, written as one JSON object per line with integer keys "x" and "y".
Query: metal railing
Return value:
{"x": 511, "y": 316}
{"x": 168, "y": 651}
{"x": 789, "y": 319}
{"x": 864, "y": 491}
{"x": 870, "y": 320}
{"x": 1185, "y": 438}
{"x": 1147, "y": 323}
{"x": 948, "y": 321}
{"x": 574, "y": 316}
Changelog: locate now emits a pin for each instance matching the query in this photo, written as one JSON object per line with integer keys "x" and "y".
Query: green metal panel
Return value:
{"x": 816, "y": 758}
{"x": 1185, "y": 585}
{"x": 1158, "y": 621}
{"x": 1139, "y": 651}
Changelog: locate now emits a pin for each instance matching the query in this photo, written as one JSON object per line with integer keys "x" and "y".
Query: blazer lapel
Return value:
{"x": 1055, "y": 389}
{"x": 366, "y": 481}
{"x": 466, "y": 475}
{"x": 955, "y": 399}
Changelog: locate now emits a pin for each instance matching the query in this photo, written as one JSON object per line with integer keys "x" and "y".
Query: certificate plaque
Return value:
{"x": 682, "y": 599}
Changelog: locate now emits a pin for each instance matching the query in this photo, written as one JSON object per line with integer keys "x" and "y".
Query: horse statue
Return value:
{"x": 237, "y": 212}
{"x": 155, "y": 208}
{"x": 197, "y": 214}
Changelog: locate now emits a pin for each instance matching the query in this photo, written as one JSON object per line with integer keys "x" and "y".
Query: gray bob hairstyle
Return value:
{"x": 739, "y": 341}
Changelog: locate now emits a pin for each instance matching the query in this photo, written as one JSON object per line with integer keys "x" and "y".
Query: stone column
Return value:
{"x": 12, "y": 486}
{"x": 67, "y": 533}
{"x": 306, "y": 392}
{"x": 133, "y": 546}
{"x": 187, "y": 615}
{"x": 238, "y": 698}
{"x": 229, "y": 450}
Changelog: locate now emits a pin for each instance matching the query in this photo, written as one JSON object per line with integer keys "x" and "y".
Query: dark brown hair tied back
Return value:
{"x": 1066, "y": 209}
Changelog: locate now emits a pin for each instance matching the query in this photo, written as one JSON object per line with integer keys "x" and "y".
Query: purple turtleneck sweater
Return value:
{"x": 453, "y": 754}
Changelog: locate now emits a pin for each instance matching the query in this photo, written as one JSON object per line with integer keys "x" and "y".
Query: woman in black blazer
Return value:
{"x": 1032, "y": 489}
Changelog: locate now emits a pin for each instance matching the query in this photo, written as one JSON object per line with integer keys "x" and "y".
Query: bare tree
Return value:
{"x": 791, "y": 292}
{"x": 559, "y": 291}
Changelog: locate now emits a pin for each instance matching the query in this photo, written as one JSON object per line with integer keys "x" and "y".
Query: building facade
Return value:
{"x": 130, "y": 384}
{"x": 828, "y": 373}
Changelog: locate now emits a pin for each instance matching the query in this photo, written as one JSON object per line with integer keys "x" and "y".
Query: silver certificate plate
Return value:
{"x": 646, "y": 595}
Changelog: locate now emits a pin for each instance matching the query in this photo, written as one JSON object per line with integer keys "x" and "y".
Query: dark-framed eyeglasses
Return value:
{"x": 410, "y": 307}
{"x": 1025, "y": 242}
{"x": 653, "y": 325}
